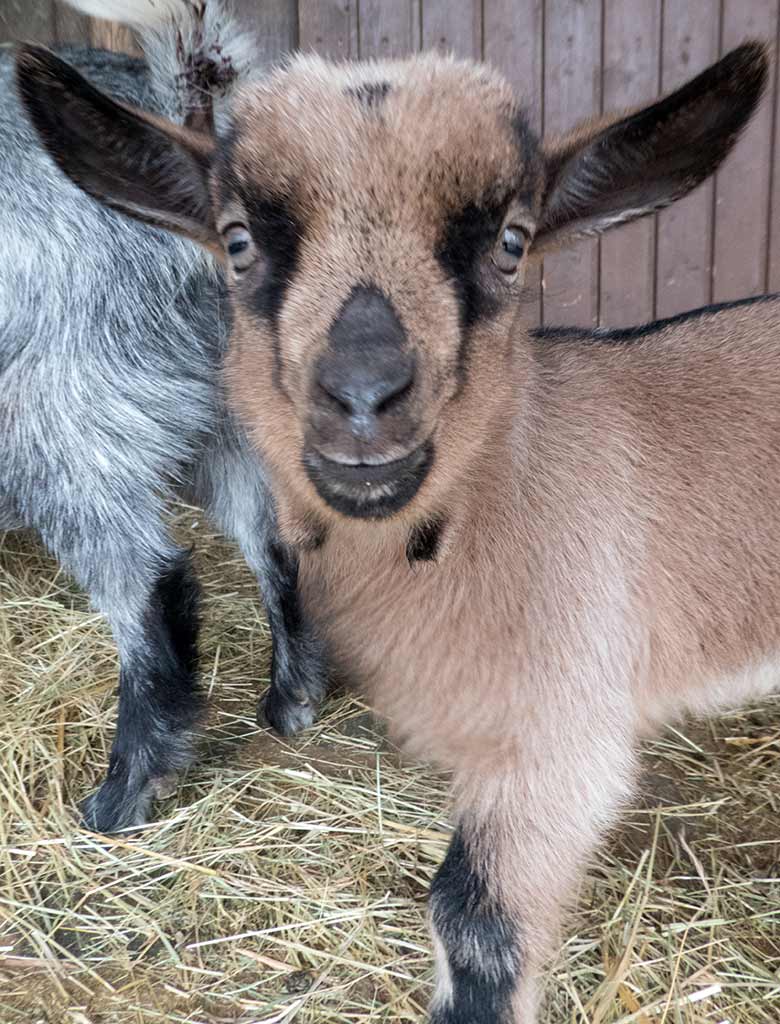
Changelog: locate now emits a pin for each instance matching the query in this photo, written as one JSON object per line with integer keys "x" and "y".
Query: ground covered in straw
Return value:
{"x": 286, "y": 880}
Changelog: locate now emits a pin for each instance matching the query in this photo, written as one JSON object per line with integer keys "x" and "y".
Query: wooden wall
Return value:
{"x": 570, "y": 59}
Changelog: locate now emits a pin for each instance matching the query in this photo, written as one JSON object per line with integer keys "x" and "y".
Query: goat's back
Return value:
{"x": 680, "y": 422}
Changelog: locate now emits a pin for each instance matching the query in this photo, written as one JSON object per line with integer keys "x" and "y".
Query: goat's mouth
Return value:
{"x": 366, "y": 490}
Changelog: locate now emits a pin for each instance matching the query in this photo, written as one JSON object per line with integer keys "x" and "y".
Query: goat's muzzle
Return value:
{"x": 363, "y": 452}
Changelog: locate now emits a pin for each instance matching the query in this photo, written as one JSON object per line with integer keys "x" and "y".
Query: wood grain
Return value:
{"x": 572, "y": 92}
{"x": 630, "y": 77}
{"x": 742, "y": 185}
{"x": 329, "y": 26}
{"x": 691, "y": 30}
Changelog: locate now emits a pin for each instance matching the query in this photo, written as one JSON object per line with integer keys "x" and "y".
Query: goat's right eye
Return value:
{"x": 239, "y": 246}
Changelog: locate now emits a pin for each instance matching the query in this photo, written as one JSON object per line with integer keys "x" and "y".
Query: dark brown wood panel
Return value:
{"x": 691, "y": 31}
{"x": 455, "y": 27}
{"x": 572, "y": 92}
{"x": 388, "y": 30}
{"x": 329, "y": 27}
{"x": 514, "y": 35}
{"x": 630, "y": 77}
{"x": 742, "y": 185}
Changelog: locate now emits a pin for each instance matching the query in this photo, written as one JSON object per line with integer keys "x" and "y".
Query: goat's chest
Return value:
{"x": 429, "y": 645}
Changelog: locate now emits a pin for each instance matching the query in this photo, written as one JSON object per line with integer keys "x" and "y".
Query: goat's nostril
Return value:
{"x": 364, "y": 389}
{"x": 332, "y": 397}
{"x": 395, "y": 397}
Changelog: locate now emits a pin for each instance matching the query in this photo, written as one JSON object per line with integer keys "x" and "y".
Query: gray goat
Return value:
{"x": 111, "y": 339}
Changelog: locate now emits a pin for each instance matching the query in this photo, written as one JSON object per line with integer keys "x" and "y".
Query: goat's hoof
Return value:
{"x": 114, "y": 807}
{"x": 298, "y": 683}
{"x": 165, "y": 786}
{"x": 285, "y": 714}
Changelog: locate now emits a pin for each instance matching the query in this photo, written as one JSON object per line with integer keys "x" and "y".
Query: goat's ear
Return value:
{"x": 603, "y": 175}
{"x": 142, "y": 165}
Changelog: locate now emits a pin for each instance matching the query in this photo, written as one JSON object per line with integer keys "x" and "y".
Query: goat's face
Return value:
{"x": 376, "y": 222}
{"x": 381, "y": 219}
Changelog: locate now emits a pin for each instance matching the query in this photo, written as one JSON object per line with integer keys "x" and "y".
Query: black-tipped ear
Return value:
{"x": 601, "y": 176}
{"x": 132, "y": 161}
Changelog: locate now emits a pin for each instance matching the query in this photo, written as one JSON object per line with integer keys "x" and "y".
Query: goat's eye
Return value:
{"x": 239, "y": 247}
{"x": 509, "y": 250}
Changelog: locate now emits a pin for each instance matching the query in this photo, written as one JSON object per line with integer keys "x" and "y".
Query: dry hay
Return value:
{"x": 286, "y": 880}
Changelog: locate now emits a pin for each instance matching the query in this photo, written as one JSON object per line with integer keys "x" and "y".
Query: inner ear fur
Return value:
{"x": 138, "y": 163}
{"x": 624, "y": 166}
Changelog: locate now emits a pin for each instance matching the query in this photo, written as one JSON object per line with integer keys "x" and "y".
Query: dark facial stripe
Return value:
{"x": 468, "y": 235}
{"x": 277, "y": 234}
{"x": 466, "y": 240}
{"x": 482, "y": 945}
{"x": 471, "y": 231}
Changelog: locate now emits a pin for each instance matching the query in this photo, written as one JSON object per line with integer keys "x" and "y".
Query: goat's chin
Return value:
{"x": 365, "y": 490}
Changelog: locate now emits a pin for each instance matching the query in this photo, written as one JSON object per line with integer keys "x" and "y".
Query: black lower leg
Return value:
{"x": 477, "y": 944}
{"x": 159, "y": 703}
{"x": 298, "y": 667}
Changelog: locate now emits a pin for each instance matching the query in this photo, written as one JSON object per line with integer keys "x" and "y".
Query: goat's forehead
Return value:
{"x": 428, "y": 130}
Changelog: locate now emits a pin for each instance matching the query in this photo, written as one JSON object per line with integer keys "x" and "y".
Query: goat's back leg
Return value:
{"x": 146, "y": 589}
{"x": 230, "y": 483}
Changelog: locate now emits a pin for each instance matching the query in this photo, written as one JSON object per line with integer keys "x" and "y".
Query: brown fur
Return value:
{"x": 605, "y": 568}
{"x": 610, "y": 540}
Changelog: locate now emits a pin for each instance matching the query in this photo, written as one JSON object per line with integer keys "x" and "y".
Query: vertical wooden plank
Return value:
{"x": 572, "y": 92}
{"x": 691, "y": 30}
{"x": 632, "y": 31}
{"x": 31, "y": 20}
{"x": 107, "y": 35}
{"x": 773, "y": 254}
{"x": 514, "y": 43}
{"x": 71, "y": 27}
{"x": 274, "y": 24}
{"x": 742, "y": 185}
{"x": 329, "y": 27}
{"x": 388, "y": 29}
{"x": 455, "y": 27}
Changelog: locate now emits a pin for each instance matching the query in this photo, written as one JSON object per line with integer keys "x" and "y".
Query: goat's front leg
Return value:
{"x": 230, "y": 482}
{"x": 523, "y": 834}
{"x": 298, "y": 666}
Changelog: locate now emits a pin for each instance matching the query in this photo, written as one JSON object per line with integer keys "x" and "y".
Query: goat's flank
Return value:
{"x": 526, "y": 548}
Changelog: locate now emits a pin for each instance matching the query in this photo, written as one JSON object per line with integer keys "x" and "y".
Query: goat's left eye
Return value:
{"x": 239, "y": 246}
{"x": 510, "y": 249}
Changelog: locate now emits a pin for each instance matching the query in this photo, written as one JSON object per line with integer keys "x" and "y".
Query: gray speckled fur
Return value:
{"x": 111, "y": 336}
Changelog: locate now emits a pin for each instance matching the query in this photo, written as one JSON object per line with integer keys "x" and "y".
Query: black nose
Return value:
{"x": 366, "y": 370}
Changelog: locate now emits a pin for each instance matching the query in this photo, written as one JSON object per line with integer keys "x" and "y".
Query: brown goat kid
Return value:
{"x": 527, "y": 548}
